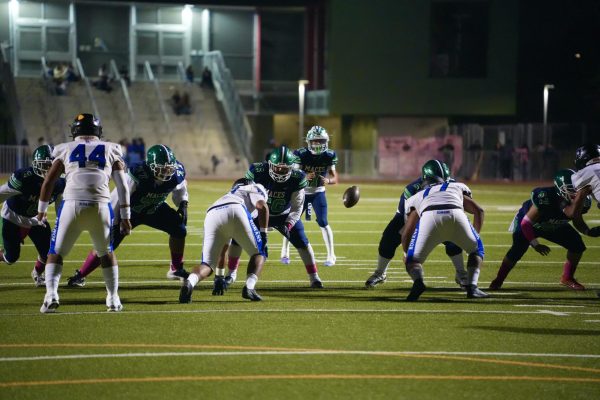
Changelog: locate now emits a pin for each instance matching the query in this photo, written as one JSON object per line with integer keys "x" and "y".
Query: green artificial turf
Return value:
{"x": 533, "y": 339}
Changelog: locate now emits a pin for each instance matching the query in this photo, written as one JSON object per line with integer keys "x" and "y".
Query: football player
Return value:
{"x": 436, "y": 215}
{"x": 319, "y": 164}
{"x": 88, "y": 164}
{"x": 545, "y": 216}
{"x": 150, "y": 183}
{"x": 230, "y": 218}
{"x": 587, "y": 163}
{"x": 21, "y": 193}
{"x": 431, "y": 172}
{"x": 285, "y": 187}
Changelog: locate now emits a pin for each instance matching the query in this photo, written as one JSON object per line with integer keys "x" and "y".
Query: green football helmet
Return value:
{"x": 317, "y": 139}
{"x": 281, "y": 161}
{"x": 564, "y": 184}
{"x": 162, "y": 162}
{"x": 42, "y": 160}
{"x": 435, "y": 171}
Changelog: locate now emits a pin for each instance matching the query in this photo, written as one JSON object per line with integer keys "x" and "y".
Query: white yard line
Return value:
{"x": 294, "y": 353}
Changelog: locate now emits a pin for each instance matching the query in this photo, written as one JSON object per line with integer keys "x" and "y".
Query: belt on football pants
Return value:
{"x": 436, "y": 207}
{"x": 222, "y": 205}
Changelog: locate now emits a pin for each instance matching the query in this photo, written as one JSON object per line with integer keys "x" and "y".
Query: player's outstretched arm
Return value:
{"x": 52, "y": 176}
{"x": 263, "y": 222}
{"x": 122, "y": 188}
{"x": 297, "y": 203}
{"x": 472, "y": 207}
{"x": 332, "y": 179}
{"x": 528, "y": 231}
{"x": 575, "y": 209}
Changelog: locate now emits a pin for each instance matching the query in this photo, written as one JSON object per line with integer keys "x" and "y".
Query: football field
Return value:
{"x": 533, "y": 339}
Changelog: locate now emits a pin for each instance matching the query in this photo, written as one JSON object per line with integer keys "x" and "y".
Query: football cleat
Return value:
{"x": 375, "y": 280}
{"x": 113, "y": 303}
{"x": 49, "y": 305}
{"x": 76, "y": 280}
{"x": 461, "y": 279}
{"x": 285, "y": 260}
{"x": 473, "y": 292}
{"x": 416, "y": 291}
{"x": 180, "y": 274}
{"x": 250, "y": 294}
{"x": 571, "y": 284}
{"x": 219, "y": 286}
{"x": 38, "y": 279}
{"x": 185, "y": 294}
{"x": 330, "y": 262}
{"x": 316, "y": 284}
{"x": 496, "y": 284}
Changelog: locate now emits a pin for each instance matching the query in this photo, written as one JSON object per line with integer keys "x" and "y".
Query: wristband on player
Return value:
{"x": 263, "y": 230}
{"x": 125, "y": 212}
{"x": 43, "y": 206}
{"x": 534, "y": 243}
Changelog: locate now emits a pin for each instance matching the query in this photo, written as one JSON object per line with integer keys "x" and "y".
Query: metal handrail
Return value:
{"x": 88, "y": 87}
{"x": 161, "y": 102}
{"x": 228, "y": 95}
{"x": 115, "y": 71}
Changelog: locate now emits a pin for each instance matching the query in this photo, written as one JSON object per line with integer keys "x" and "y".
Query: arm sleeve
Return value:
{"x": 114, "y": 195}
{"x": 297, "y": 202}
{"x": 180, "y": 193}
{"x": 122, "y": 188}
{"x": 527, "y": 228}
{"x": 7, "y": 192}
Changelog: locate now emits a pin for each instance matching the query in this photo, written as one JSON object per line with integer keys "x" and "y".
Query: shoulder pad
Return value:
{"x": 301, "y": 151}
{"x": 180, "y": 173}
{"x": 541, "y": 197}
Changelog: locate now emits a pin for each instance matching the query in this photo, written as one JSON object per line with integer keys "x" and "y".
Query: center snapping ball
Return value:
{"x": 351, "y": 196}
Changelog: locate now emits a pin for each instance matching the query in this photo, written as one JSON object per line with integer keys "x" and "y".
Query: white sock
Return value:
{"x": 53, "y": 272}
{"x": 328, "y": 238}
{"x": 285, "y": 248}
{"x": 251, "y": 280}
{"x": 473, "y": 275}
{"x": 193, "y": 279}
{"x": 416, "y": 273}
{"x": 111, "y": 280}
{"x": 459, "y": 263}
{"x": 307, "y": 255}
{"x": 233, "y": 274}
{"x": 382, "y": 265}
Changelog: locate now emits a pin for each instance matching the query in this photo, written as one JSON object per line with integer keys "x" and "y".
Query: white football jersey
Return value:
{"x": 589, "y": 175}
{"x": 447, "y": 193}
{"x": 248, "y": 195}
{"x": 88, "y": 166}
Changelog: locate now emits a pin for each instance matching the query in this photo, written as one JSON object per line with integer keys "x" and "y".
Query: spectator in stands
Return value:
{"x": 523, "y": 161}
{"x": 181, "y": 104}
{"x": 72, "y": 76}
{"x": 124, "y": 72}
{"x": 142, "y": 148}
{"x": 103, "y": 82}
{"x": 206, "y": 81}
{"x": 537, "y": 161}
{"x": 215, "y": 163}
{"x": 505, "y": 159}
{"x": 189, "y": 74}
{"x": 175, "y": 101}
{"x": 447, "y": 151}
{"x": 59, "y": 77}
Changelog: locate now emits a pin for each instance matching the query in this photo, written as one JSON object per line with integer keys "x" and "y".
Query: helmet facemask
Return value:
{"x": 280, "y": 172}
{"x": 163, "y": 172}
{"x": 564, "y": 184}
{"x": 41, "y": 167}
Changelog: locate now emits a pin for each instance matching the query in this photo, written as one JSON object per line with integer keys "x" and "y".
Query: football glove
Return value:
{"x": 263, "y": 238}
{"x": 594, "y": 232}
{"x": 219, "y": 286}
{"x": 182, "y": 211}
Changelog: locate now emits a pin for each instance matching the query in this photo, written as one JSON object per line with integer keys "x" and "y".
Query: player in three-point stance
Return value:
{"x": 285, "y": 187}
{"x": 88, "y": 163}
{"x": 21, "y": 193}
{"x": 230, "y": 218}
{"x": 431, "y": 172}
{"x": 547, "y": 215}
{"x": 150, "y": 183}
{"x": 319, "y": 164}
{"x": 436, "y": 215}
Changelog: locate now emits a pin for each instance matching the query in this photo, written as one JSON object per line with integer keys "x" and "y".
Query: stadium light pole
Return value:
{"x": 547, "y": 88}
{"x": 301, "y": 91}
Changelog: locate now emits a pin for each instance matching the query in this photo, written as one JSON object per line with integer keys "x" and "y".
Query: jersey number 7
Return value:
{"x": 97, "y": 155}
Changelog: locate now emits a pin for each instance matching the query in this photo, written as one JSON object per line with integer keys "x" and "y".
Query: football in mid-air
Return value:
{"x": 351, "y": 196}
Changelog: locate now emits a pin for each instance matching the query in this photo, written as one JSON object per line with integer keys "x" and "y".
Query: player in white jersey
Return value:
{"x": 587, "y": 163}
{"x": 88, "y": 164}
{"x": 228, "y": 218}
{"x": 433, "y": 216}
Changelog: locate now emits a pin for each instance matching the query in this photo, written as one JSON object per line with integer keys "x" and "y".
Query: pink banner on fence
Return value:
{"x": 403, "y": 156}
